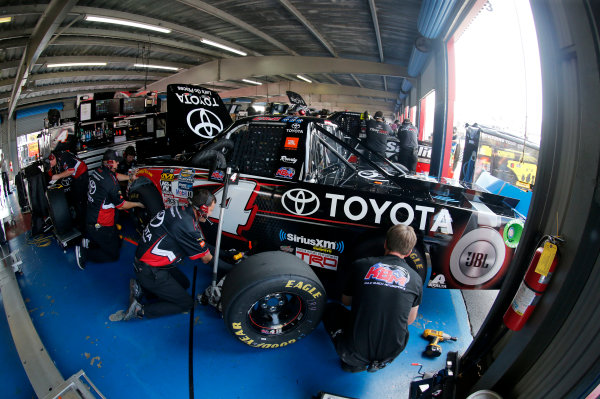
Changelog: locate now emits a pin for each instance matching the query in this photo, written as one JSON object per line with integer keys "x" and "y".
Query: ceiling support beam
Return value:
{"x": 279, "y": 89}
{"x": 207, "y": 8}
{"x": 48, "y": 23}
{"x": 247, "y": 67}
{"x": 294, "y": 11}
{"x": 103, "y": 12}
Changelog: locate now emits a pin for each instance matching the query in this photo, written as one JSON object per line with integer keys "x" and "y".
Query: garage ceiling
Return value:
{"x": 355, "y": 52}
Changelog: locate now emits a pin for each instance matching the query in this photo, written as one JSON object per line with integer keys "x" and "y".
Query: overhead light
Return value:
{"x": 126, "y": 22}
{"x": 303, "y": 78}
{"x": 224, "y": 47}
{"x": 5, "y": 19}
{"x": 156, "y": 66}
{"x": 70, "y": 64}
{"x": 254, "y": 82}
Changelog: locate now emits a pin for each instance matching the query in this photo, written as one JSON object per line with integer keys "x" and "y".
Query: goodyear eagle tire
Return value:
{"x": 272, "y": 300}
{"x": 144, "y": 191}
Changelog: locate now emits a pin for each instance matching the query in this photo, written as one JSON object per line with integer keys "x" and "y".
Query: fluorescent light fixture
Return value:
{"x": 156, "y": 66}
{"x": 222, "y": 46}
{"x": 126, "y": 22}
{"x": 71, "y": 64}
{"x": 303, "y": 78}
{"x": 5, "y": 19}
{"x": 254, "y": 82}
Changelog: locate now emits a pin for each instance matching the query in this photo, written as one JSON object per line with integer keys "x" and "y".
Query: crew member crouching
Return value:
{"x": 172, "y": 234}
{"x": 101, "y": 241}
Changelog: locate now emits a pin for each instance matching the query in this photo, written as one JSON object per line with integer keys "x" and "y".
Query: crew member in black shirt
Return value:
{"x": 101, "y": 241}
{"x": 409, "y": 145}
{"x": 170, "y": 235}
{"x": 384, "y": 294}
{"x": 128, "y": 161}
{"x": 64, "y": 164}
{"x": 378, "y": 133}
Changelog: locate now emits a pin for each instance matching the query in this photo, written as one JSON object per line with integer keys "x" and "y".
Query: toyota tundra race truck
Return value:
{"x": 307, "y": 202}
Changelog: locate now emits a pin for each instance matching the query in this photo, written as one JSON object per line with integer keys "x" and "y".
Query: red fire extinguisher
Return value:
{"x": 534, "y": 284}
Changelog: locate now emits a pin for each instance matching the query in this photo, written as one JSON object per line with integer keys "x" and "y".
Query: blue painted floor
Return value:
{"x": 148, "y": 359}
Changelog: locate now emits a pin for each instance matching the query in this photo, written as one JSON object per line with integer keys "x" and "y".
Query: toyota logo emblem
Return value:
{"x": 296, "y": 126}
{"x": 206, "y": 124}
{"x": 92, "y": 187}
{"x": 300, "y": 202}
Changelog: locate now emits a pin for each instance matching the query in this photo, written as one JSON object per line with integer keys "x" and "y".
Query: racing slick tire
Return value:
{"x": 144, "y": 191}
{"x": 209, "y": 159}
{"x": 271, "y": 300}
{"x": 60, "y": 213}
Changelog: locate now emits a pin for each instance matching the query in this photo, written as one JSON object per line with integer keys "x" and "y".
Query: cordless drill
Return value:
{"x": 433, "y": 349}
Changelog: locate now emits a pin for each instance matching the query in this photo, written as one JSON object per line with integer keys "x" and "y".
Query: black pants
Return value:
{"x": 78, "y": 199}
{"x": 408, "y": 157}
{"x": 168, "y": 285}
{"x": 5, "y": 182}
{"x": 337, "y": 321}
{"x": 104, "y": 244}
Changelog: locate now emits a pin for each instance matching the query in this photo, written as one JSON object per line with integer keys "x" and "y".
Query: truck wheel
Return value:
{"x": 418, "y": 262}
{"x": 60, "y": 214}
{"x": 144, "y": 191}
{"x": 272, "y": 300}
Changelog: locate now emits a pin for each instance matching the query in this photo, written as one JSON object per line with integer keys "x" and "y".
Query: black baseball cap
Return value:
{"x": 378, "y": 114}
{"x": 109, "y": 155}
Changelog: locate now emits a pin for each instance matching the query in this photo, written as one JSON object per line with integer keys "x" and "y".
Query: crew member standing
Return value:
{"x": 170, "y": 235}
{"x": 409, "y": 145}
{"x": 378, "y": 133}
{"x": 5, "y": 175}
{"x": 68, "y": 165}
{"x": 385, "y": 294}
{"x": 102, "y": 242}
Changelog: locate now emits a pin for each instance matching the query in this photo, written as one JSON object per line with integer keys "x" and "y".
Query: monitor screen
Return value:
{"x": 109, "y": 107}
{"x": 134, "y": 105}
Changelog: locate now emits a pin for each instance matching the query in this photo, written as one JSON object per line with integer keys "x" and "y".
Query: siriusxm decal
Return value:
{"x": 321, "y": 244}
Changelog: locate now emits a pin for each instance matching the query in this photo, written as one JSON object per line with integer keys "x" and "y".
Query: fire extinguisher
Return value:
{"x": 534, "y": 284}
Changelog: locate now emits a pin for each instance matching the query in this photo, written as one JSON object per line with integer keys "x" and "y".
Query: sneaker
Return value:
{"x": 79, "y": 257}
{"x": 135, "y": 290}
{"x": 135, "y": 310}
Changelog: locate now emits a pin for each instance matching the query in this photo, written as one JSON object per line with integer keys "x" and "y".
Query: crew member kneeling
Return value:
{"x": 170, "y": 235}
{"x": 385, "y": 294}
{"x": 102, "y": 242}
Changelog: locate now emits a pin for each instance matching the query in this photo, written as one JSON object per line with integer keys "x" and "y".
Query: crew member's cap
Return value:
{"x": 378, "y": 114}
{"x": 130, "y": 150}
{"x": 109, "y": 155}
{"x": 407, "y": 120}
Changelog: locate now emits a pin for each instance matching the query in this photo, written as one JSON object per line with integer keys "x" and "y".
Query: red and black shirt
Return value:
{"x": 104, "y": 196}
{"x": 170, "y": 235}
{"x": 70, "y": 162}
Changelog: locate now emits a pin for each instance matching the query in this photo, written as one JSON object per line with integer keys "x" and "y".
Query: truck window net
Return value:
{"x": 257, "y": 149}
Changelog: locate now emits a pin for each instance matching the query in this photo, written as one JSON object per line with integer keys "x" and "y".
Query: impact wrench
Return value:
{"x": 433, "y": 349}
